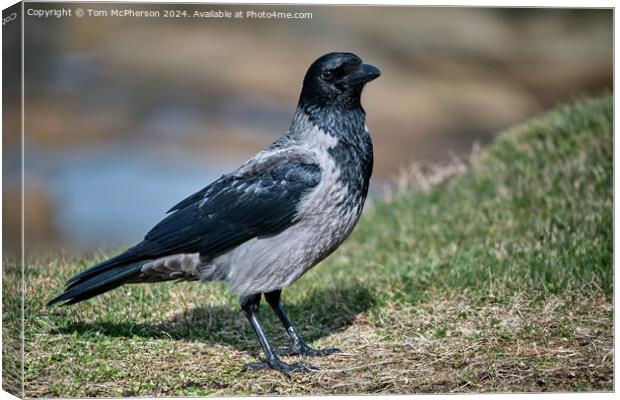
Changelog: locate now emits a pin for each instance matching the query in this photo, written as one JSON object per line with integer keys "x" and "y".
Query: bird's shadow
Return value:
{"x": 319, "y": 314}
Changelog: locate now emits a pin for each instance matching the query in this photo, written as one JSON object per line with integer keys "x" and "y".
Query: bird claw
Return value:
{"x": 305, "y": 350}
{"x": 280, "y": 366}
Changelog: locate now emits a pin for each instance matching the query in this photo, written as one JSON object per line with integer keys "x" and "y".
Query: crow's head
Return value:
{"x": 336, "y": 79}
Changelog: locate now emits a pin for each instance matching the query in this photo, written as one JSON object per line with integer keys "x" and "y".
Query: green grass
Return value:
{"x": 497, "y": 280}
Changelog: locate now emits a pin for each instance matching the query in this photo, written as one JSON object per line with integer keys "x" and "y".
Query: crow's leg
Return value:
{"x": 298, "y": 346}
{"x": 250, "y": 304}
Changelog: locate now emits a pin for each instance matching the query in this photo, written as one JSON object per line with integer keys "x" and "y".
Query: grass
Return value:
{"x": 499, "y": 279}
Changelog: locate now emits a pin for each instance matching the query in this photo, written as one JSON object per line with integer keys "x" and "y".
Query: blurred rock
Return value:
{"x": 38, "y": 218}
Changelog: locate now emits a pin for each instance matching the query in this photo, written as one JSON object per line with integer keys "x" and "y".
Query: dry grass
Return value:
{"x": 450, "y": 345}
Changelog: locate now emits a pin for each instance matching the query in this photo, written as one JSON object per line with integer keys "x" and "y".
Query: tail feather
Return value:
{"x": 127, "y": 257}
{"x": 102, "y": 281}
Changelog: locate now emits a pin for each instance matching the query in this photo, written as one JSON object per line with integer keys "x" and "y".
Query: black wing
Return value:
{"x": 262, "y": 198}
{"x": 233, "y": 210}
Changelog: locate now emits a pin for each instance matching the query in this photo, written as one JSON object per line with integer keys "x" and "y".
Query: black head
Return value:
{"x": 336, "y": 79}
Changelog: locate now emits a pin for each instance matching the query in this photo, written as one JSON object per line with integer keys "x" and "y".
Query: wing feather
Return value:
{"x": 260, "y": 198}
{"x": 257, "y": 201}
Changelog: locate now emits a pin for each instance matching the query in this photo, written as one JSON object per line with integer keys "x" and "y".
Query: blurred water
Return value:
{"x": 112, "y": 195}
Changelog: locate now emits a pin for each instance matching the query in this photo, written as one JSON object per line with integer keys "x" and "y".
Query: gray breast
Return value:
{"x": 326, "y": 217}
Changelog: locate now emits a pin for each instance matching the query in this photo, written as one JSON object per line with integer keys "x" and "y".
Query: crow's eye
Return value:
{"x": 326, "y": 75}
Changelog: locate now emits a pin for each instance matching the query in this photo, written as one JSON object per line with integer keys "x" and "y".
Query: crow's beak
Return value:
{"x": 363, "y": 74}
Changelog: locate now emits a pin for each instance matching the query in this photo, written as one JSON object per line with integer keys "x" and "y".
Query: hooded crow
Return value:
{"x": 262, "y": 226}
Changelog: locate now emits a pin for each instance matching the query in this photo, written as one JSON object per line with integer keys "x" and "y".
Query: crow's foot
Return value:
{"x": 302, "y": 349}
{"x": 280, "y": 366}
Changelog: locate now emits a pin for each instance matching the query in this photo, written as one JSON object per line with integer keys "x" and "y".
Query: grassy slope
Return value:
{"x": 499, "y": 280}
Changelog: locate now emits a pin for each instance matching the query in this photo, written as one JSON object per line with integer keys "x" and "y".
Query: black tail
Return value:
{"x": 97, "y": 280}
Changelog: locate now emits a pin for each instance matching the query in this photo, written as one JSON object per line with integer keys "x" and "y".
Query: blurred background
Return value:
{"x": 127, "y": 116}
